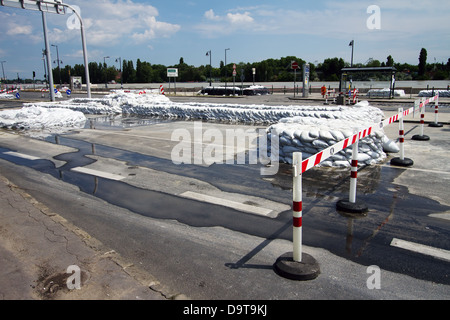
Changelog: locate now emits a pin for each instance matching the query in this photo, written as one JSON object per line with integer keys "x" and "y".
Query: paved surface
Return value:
{"x": 37, "y": 246}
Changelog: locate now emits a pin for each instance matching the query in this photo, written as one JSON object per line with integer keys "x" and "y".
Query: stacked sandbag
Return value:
{"x": 384, "y": 93}
{"x": 431, "y": 93}
{"x": 310, "y": 136}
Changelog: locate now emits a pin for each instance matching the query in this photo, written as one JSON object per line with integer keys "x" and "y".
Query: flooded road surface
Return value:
{"x": 394, "y": 212}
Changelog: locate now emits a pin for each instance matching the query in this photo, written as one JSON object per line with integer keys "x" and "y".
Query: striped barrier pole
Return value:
{"x": 161, "y": 90}
{"x": 297, "y": 207}
{"x": 421, "y": 136}
{"x": 354, "y": 172}
{"x": 352, "y": 205}
{"x": 436, "y": 123}
{"x": 402, "y": 161}
{"x": 297, "y": 265}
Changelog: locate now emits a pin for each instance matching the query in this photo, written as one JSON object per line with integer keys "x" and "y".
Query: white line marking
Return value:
{"x": 416, "y": 169}
{"x": 445, "y": 216}
{"x": 423, "y": 249}
{"x": 226, "y": 203}
{"x": 97, "y": 173}
{"x": 21, "y": 155}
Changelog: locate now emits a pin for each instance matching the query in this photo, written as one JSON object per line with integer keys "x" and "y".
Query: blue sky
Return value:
{"x": 161, "y": 32}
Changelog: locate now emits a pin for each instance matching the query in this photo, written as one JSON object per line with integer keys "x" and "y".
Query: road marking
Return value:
{"x": 423, "y": 249}
{"x": 21, "y": 155}
{"x": 416, "y": 169}
{"x": 445, "y": 216}
{"x": 226, "y": 203}
{"x": 98, "y": 173}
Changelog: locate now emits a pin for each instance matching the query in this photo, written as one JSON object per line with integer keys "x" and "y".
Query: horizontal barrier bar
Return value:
{"x": 316, "y": 159}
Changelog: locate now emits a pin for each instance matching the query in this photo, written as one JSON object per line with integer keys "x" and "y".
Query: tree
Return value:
{"x": 390, "y": 61}
{"x": 331, "y": 69}
{"x": 422, "y": 62}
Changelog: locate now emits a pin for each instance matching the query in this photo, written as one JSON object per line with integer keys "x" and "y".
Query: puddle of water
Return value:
{"x": 120, "y": 122}
{"x": 393, "y": 212}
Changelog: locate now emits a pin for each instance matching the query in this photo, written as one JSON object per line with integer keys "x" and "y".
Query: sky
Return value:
{"x": 163, "y": 31}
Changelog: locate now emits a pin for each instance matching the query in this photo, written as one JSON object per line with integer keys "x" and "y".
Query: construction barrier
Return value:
{"x": 293, "y": 266}
{"x": 330, "y": 93}
{"x": 161, "y": 90}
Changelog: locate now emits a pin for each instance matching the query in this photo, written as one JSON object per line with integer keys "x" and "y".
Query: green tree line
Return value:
{"x": 270, "y": 70}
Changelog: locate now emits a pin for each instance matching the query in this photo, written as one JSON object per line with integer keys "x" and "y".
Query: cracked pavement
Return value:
{"x": 37, "y": 246}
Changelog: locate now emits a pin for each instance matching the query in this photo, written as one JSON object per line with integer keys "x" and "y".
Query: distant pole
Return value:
{"x": 59, "y": 67}
{"x": 352, "y": 44}
{"x": 120, "y": 68}
{"x": 3, "y": 70}
{"x": 226, "y": 69}
{"x": 104, "y": 64}
{"x": 210, "y": 67}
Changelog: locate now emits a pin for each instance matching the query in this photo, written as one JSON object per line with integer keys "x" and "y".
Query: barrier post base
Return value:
{"x": 419, "y": 137}
{"x": 436, "y": 125}
{"x": 307, "y": 269}
{"x": 406, "y": 162}
{"x": 352, "y": 207}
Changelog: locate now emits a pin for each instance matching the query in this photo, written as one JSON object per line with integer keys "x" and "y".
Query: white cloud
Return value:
{"x": 210, "y": 15}
{"x": 240, "y": 18}
{"x": 221, "y": 25}
{"x": 110, "y": 22}
{"x": 341, "y": 19}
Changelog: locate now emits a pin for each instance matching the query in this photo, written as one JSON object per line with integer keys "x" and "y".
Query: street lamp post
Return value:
{"x": 120, "y": 68}
{"x": 210, "y": 67}
{"x": 59, "y": 68}
{"x": 226, "y": 69}
{"x": 104, "y": 65}
{"x": 3, "y": 70}
{"x": 352, "y": 44}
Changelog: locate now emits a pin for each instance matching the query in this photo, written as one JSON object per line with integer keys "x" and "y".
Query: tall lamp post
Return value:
{"x": 120, "y": 68}
{"x": 210, "y": 67}
{"x": 59, "y": 68}
{"x": 3, "y": 70}
{"x": 226, "y": 69}
{"x": 352, "y": 44}
{"x": 104, "y": 64}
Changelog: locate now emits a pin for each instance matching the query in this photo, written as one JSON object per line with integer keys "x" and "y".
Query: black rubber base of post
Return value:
{"x": 418, "y": 137}
{"x": 350, "y": 207}
{"x": 406, "y": 162}
{"x": 436, "y": 125}
{"x": 307, "y": 269}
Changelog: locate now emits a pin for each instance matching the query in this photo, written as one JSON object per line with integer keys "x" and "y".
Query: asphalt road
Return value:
{"x": 212, "y": 251}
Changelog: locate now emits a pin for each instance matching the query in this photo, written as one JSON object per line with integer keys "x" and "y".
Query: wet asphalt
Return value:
{"x": 394, "y": 211}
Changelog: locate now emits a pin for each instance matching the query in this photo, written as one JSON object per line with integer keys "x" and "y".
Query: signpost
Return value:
{"x": 172, "y": 73}
{"x": 305, "y": 79}
{"x": 234, "y": 79}
{"x": 294, "y": 65}
{"x": 58, "y": 7}
{"x": 52, "y": 6}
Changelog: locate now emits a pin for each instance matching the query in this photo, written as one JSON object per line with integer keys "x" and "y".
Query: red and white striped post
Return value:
{"x": 352, "y": 205}
{"x": 401, "y": 161}
{"x": 436, "y": 123}
{"x": 421, "y": 136}
{"x": 161, "y": 90}
{"x": 297, "y": 207}
{"x": 297, "y": 265}
{"x": 354, "y": 172}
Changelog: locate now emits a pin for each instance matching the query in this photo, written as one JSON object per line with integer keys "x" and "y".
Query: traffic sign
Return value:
{"x": 52, "y": 6}
{"x": 18, "y": 95}
{"x": 68, "y": 91}
{"x": 172, "y": 72}
{"x": 294, "y": 65}
{"x": 234, "y": 73}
